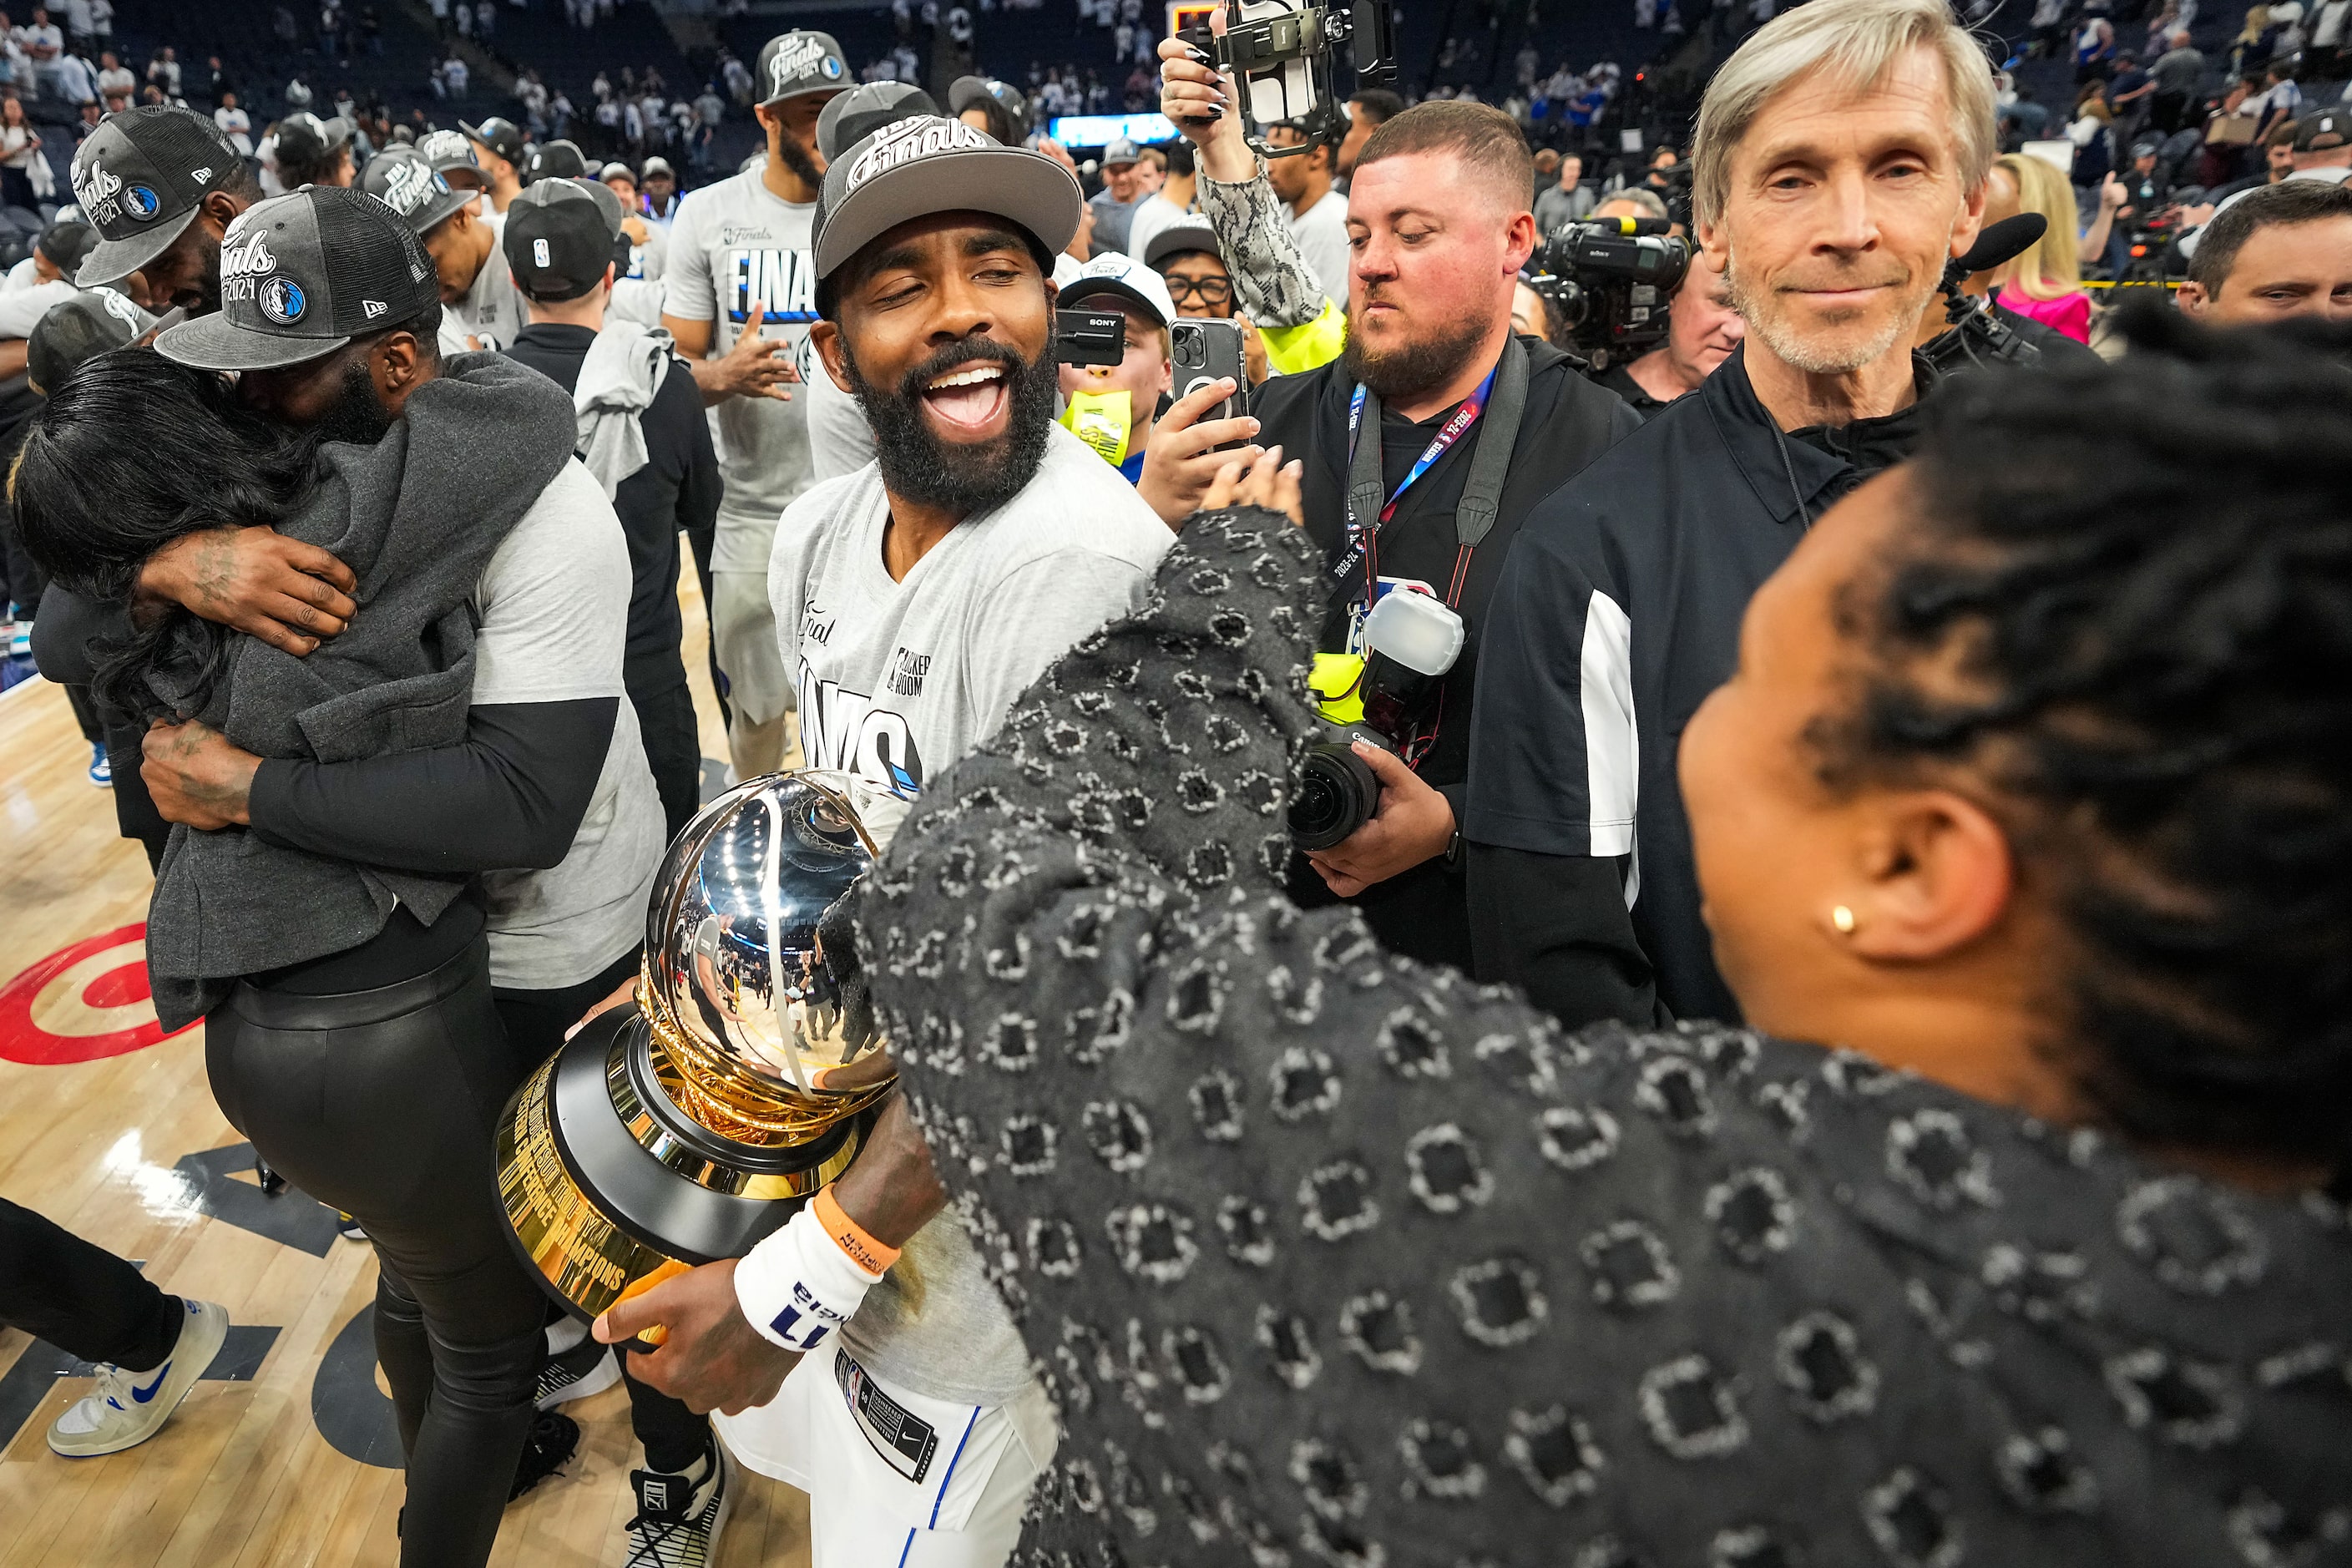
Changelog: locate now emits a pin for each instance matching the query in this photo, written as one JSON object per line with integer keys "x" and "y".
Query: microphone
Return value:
{"x": 2003, "y": 241}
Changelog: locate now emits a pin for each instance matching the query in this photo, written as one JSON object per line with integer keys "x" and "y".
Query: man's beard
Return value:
{"x": 962, "y": 480}
{"x": 355, "y": 415}
{"x": 796, "y": 158}
{"x": 1790, "y": 345}
{"x": 1414, "y": 368}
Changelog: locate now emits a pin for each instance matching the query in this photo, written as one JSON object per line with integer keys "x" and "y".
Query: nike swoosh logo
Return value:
{"x": 143, "y": 1395}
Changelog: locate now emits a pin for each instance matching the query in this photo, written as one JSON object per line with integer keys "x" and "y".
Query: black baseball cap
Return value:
{"x": 792, "y": 63}
{"x": 404, "y": 179}
{"x": 304, "y": 138}
{"x": 139, "y": 179}
{"x": 967, "y": 90}
{"x": 500, "y": 135}
{"x": 1181, "y": 238}
{"x": 554, "y": 161}
{"x": 452, "y": 157}
{"x": 77, "y": 330}
{"x": 913, "y": 168}
{"x": 303, "y": 275}
{"x": 855, "y": 115}
{"x": 2318, "y": 132}
{"x": 68, "y": 244}
{"x": 559, "y": 240}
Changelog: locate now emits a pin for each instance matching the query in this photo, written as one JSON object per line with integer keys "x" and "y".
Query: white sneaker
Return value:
{"x": 129, "y": 1408}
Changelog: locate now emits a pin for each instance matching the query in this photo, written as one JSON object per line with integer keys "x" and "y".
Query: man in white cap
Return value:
{"x": 740, "y": 293}
{"x": 916, "y": 597}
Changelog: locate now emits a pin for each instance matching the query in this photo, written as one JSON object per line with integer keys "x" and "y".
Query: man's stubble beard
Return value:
{"x": 1778, "y": 333}
{"x": 797, "y": 159}
{"x": 962, "y": 480}
{"x": 1416, "y": 368}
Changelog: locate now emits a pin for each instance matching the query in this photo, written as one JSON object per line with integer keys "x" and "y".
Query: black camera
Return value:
{"x": 1610, "y": 281}
{"x": 1410, "y": 639}
{"x": 1284, "y": 57}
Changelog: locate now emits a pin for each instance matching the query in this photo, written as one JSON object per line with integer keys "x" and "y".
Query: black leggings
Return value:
{"x": 81, "y": 1299}
{"x": 381, "y": 1103}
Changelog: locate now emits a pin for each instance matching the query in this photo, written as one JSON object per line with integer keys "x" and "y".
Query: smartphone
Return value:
{"x": 1290, "y": 88}
{"x": 1207, "y": 349}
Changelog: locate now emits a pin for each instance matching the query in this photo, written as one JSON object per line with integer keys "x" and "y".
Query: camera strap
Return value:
{"x": 1500, "y": 403}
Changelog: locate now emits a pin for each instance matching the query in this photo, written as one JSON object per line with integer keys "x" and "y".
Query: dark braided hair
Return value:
{"x": 2127, "y": 607}
{"x": 132, "y": 452}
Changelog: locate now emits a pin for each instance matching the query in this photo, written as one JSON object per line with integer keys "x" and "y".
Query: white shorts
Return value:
{"x": 895, "y": 1479}
{"x": 743, "y": 633}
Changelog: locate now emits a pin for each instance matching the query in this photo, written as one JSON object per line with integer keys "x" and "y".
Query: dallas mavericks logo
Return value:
{"x": 832, "y": 68}
{"x": 281, "y": 300}
{"x": 141, "y": 202}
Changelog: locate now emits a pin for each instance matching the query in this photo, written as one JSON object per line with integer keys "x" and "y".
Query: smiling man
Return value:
{"x": 1840, "y": 161}
{"x": 915, "y": 597}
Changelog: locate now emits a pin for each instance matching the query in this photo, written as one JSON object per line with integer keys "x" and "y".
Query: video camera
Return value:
{"x": 1285, "y": 60}
{"x": 1610, "y": 281}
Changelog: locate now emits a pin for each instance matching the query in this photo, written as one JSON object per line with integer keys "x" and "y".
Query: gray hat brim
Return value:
{"x": 215, "y": 342}
{"x": 458, "y": 196}
{"x": 1020, "y": 187}
{"x": 115, "y": 259}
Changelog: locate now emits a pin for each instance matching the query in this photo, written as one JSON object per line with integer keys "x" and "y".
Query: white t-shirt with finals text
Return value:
{"x": 733, "y": 243}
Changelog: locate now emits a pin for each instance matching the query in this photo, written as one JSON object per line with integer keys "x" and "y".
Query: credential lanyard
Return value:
{"x": 1364, "y": 526}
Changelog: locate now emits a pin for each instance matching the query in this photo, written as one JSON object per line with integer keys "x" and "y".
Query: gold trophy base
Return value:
{"x": 606, "y": 1184}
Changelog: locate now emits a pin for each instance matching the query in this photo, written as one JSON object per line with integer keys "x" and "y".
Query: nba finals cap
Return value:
{"x": 558, "y": 239}
{"x": 554, "y": 161}
{"x": 139, "y": 179}
{"x": 501, "y": 136}
{"x": 792, "y": 63}
{"x": 2325, "y": 129}
{"x": 1181, "y": 238}
{"x": 80, "y": 329}
{"x": 1122, "y": 277}
{"x": 303, "y": 275}
{"x": 68, "y": 244}
{"x": 850, "y": 119}
{"x": 304, "y": 138}
{"x": 404, "y": 179}
{"x": 1119, "y": 153}
{"x": 914, "y": 168}
{"x": 452, "y": 157}
{"x": 967, "y": 90}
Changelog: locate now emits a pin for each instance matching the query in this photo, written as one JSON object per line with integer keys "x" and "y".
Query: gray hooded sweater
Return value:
{"x": 416, "y": 518}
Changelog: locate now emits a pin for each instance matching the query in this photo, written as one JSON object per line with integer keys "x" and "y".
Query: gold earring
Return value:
{"x": 1843, "y": 917}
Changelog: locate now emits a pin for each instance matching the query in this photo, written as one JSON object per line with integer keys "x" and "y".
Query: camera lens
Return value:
{"x": 1189, "y": 351}
{"x": 1337, "y": 793}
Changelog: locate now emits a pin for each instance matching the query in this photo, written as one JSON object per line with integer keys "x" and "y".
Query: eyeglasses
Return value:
{"x": 1208, "y": 291}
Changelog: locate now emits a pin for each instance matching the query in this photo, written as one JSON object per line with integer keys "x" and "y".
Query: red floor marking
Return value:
{"x": 115, "y": 988}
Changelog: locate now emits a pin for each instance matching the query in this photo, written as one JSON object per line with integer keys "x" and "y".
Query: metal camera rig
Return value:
{"x": 1284, "y": 59}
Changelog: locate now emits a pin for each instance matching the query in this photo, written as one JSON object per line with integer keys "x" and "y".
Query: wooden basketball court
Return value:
{"x": 286, "y": 1459}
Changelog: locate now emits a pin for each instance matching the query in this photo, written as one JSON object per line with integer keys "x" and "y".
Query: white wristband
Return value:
{"x": 798, "y": 1286}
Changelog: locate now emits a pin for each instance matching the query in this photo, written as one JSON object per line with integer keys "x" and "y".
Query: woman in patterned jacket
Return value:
{"x": 2033, "y": 795}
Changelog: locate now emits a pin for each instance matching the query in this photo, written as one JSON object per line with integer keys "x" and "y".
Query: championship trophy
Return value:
{"x": 686, "y": 1130}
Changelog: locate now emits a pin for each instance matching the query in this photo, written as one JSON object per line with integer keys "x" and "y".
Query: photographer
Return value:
{"x": 1438, "y": 213}
{"x": 1702, "y": 330}
{"x": 1840, "y": 163}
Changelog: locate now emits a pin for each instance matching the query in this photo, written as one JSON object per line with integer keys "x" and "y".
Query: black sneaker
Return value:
{"x": 554, "y": 1436}
{"x": 679, "y": 1518}
{"x": 586, "y": 1368}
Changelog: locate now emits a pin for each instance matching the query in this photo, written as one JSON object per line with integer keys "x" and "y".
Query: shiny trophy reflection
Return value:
{"x": 666, "y": 1136}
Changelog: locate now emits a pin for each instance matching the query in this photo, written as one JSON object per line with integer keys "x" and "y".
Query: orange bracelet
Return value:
{"x": 850, "y": 1236}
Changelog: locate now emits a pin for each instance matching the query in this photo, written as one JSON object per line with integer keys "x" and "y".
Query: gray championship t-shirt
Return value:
{"x": 900, "y": 679}
{"x": 492, "y": 312}
{"x": 554, "y": 607}
{"x": 731, "y": 243}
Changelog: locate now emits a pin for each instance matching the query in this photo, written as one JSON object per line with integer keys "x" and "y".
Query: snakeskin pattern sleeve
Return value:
{"x": 1329, "y": 1258}
{"x": 1273, "y": 284}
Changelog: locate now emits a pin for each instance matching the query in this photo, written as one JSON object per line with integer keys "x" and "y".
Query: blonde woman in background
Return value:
{"x": 2046, "y": 281}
